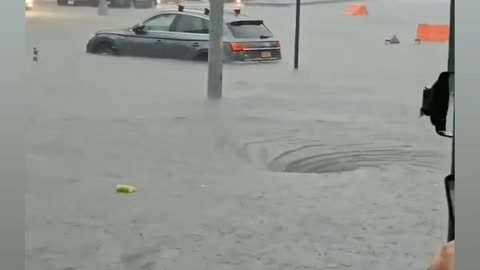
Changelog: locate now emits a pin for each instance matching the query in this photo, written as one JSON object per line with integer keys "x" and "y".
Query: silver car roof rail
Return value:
{"x": 237, "y": 10}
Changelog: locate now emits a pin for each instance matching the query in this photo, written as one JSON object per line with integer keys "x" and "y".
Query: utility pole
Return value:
{"x": 102, "y": 8}
{"x": 215, "y": 52}
{"x": 451, "y": 68}
{"x": 297, "y": 33}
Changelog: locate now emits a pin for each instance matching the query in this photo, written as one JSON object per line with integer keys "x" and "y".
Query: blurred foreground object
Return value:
{"x": 28, "y": 4}
{"x": 444, "y": 259}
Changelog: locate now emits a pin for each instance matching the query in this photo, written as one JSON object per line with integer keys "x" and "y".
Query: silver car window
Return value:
{"x": 159, "y": 23}
{"x": 249, "y": 29}
{"x": 190, "y": 24}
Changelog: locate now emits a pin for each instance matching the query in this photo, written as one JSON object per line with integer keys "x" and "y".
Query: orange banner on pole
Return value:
{"x": 357, "y": 10}
{"x": 433, "y": 32}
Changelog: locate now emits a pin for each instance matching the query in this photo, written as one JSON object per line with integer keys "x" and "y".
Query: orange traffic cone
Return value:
{"x": 357, "y": 10}
{"x": 432, "y": 33}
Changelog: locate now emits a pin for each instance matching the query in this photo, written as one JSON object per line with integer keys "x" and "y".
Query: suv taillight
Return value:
{"x": 237, "y": 47}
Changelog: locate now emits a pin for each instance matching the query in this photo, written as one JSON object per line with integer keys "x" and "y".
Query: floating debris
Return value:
{"x": 126, "y": 189}
{"x": 393, "y": 40}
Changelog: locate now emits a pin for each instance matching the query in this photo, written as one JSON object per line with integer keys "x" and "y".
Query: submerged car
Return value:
{"x": 184, "y": 34}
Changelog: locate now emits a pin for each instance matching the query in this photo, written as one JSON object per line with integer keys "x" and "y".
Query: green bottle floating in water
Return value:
{"x": 126, "y": 189}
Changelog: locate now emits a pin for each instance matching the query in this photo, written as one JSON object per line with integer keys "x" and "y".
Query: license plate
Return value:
{"x": 266, "y": 54}
{"x": 71, "y": 2}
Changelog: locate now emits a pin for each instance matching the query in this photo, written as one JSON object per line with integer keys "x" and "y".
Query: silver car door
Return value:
{"x": 188, "y": 35}
{"x": 156, "y": 34}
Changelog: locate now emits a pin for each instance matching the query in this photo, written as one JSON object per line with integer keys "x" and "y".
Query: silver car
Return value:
{"x": 183, "y": 34}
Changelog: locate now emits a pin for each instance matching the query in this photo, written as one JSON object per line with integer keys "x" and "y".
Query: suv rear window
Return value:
{"x": 249, "y": 29}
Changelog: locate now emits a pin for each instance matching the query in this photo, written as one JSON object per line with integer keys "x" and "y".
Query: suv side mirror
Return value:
{"x": 138, "y": 28}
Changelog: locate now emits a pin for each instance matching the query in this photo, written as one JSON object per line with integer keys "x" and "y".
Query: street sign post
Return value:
{"x": 297, "y": 33}
{"x": 102, "y": 8}
{"x": 451, "y": 68}
{"x": 215, "y": 53}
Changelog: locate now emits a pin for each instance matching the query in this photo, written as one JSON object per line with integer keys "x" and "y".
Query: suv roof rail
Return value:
{"x": 184, "y": 6}
{"x": 206, "y": 10}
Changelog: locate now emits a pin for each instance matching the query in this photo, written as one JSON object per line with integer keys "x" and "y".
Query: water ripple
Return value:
{"x": 314, "y": 157}
{"x": 318, "y": 159}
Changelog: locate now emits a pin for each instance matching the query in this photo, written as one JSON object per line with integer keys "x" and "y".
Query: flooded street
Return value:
{"x": 327, "y": 167}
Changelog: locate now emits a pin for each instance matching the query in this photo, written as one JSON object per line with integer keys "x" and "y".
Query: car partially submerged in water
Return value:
{"x": 184, "y": 34}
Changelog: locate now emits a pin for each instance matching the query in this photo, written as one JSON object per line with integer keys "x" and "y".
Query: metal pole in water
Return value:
{"x": 451, "y": 68}
{"x": 102, "y": 8}
{"x": 297, "y": 34}
{"x": 215, "y": 52}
